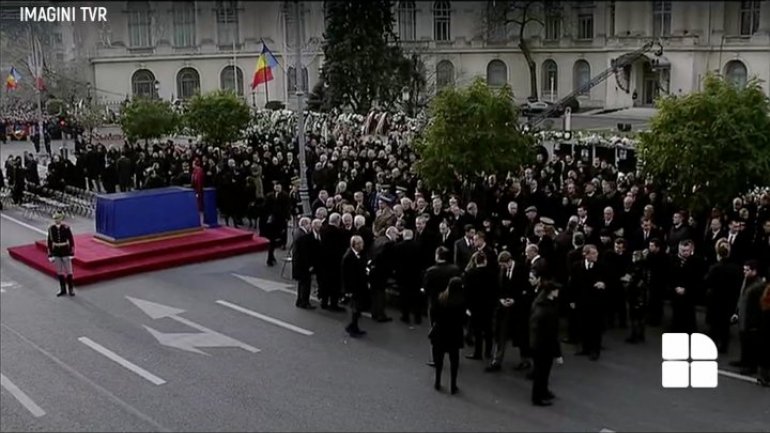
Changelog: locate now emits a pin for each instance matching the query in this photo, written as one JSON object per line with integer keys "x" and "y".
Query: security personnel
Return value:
{"x": 61, "y": 250}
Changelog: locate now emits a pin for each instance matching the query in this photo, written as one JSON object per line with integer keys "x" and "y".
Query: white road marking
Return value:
{"x": 7, "y": 284}
{"x": 25, "y": 225}
{"x": 106, "y": 393}
{"x": 122, "y": 361}
{"x": 23, "y": 398}
{"x": 732, "y": 375}
{"x": 268, "y": 319}
{"x": 606, "y": 430}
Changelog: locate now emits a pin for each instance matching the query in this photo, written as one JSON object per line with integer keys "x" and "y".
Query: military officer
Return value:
{"x": 61, "y": 250}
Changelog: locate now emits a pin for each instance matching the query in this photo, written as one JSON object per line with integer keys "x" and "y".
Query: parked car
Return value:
{"x": 534, "y": 108}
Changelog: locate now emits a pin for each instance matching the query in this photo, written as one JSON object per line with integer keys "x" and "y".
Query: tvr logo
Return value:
{"x": 689, "y": 360}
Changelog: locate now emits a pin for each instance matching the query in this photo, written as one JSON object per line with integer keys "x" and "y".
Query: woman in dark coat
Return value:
{"x": 446, "y": 333}
{"x": 544, "y": 338}
{"x": 481, "y": 291}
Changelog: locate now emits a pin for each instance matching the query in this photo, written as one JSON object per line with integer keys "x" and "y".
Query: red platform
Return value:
{"x": 95, "y": 260}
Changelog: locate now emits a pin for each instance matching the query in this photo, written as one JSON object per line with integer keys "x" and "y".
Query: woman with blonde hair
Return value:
{"x": 446, "y": 332}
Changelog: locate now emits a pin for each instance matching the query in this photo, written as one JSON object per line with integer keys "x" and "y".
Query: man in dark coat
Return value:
{"x": 124, "y": 169}
{"x": 463, "y": 248}
{"x": 408, "y": 274}
{"x": 588, "y": 289}
{"x": 383, "y": 268}
{"x": 275, "y": 219}
{"x": 544, "y": 339}
{"x": 436, "y": 279}
{"x": 333, "y": 246}
{"x": 685, "y": 281}
{"x": 512, "y": 286}
{"x": 354, "y": 284}
{"x": 723, "y": 285}
{"x": 306, "y": 249}
{"x": 659, "y": 264}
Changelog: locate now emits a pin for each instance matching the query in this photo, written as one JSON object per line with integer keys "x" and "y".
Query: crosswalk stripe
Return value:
{"x": 122, "y": 361}
{"x": 23, "y": 398}
{"x": 266, "y": 318}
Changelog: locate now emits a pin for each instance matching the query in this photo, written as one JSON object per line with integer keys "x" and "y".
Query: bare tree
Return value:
{"x": 522, "y": 14}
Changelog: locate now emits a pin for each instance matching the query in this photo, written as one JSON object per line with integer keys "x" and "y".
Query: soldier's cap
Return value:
{"x": 530, "y": 209}
{"x": 58, "y": 216}
{"x": 547, "y": 221}
{"x": 401, "y": 189}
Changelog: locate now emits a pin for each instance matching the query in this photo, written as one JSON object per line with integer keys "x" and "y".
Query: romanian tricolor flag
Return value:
{"x": 13, "y": 79}
{"x": 265, "y": 64}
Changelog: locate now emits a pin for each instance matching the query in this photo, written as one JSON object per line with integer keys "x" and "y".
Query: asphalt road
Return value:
{"x": 90, "y": 363}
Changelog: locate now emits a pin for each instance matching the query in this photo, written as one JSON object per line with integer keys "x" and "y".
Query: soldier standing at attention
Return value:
{"x": 61, "y": 249}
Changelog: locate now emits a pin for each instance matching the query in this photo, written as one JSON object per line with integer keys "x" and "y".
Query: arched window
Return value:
{"x": 497, "y": 73}
{"x": 581, "y": 75}
{"x": 292, "y": 80}
{"x": 445, "y": 74}
{"x": 143, "y": 84}
{"x": 442, "y": 17}
{"x": 550, "y": 83}
{"x": 139, "y": 25}
{"x": 407, "y": 17}
{"x": 188, "y": 83}
{"x": 227, "y": 82}
{"x": 735, "y": 72}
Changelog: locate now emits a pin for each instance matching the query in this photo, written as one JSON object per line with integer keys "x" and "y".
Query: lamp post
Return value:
{"x": 304, "y": 192}
{"x": 405, "y": 95}
{"x": 157, "y": 89}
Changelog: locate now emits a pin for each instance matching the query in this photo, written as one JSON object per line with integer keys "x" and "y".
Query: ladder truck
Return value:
{"x": 616, "y": 65}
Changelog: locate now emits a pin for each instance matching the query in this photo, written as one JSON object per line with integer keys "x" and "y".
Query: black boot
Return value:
{"x": 70, "y": 285}
{"x": 62, "y": 286}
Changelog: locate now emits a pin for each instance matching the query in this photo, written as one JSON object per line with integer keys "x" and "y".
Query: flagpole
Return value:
{"x": 235, "y": 58}
{"x": 36, "y": 79}
{"x": 304, "y": 194}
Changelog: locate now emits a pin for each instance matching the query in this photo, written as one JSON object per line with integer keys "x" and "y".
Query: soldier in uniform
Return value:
{"x": 385, "y": 216}
{"x": 61, "y": 249}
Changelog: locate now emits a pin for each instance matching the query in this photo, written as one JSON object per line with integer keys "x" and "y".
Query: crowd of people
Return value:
{"x": 490, "y": 265}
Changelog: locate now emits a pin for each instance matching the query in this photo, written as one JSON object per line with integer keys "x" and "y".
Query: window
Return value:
{"x": 188, "y": 83}
{"x": 139, "y": 22}
{"x": 689, "y": 360}
{"x": 497, "y": 73}
{"x": 735, "y": 72}
{"x": 292, "y": 80}
{"x": 289, "y": 20}
{"x": 407, "y": 17}
{"x": 550, "y": 79}
{"x": 661, "y": 18}
{"x": 227, "y": 23}
{"x": 581, "y": 75}
{"x": 57, "y": 38}
{"x": 445, "y": 74}
{"x": 749, "y": 17}
{"x": 612, "y": 18}
{"x": 552, "y": 21}
{"x": 586, "y": 26}
{"x": 227, "y": 82}
{"x": 184, "y": 24}
{"x": 442, "y": 17}
{"x": 497, "y": 30}
{"x": 143, "y": 84}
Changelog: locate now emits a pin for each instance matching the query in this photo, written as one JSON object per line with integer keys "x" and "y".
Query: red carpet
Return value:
{"x": 98, "y": 261}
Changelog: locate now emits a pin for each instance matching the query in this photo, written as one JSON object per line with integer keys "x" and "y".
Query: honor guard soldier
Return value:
{"x": 61, "y": 249}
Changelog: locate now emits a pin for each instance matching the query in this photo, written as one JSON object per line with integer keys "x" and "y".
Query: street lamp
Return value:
{"x": 157, "y": 89}
{"x": 405, "y": 95}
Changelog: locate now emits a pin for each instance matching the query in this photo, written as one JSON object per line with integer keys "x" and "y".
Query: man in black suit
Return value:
{"x": 723, "y": 285}
{"x": 436, "y": 279}
{"x": 333, "y": 247}
{"x": 642, "y": 237}
{"x": 408, "y": 273}
{"x": 360, "y": 228}
{"x": 716, "y": 232}
{"x": 740, "y": 244}
{"x": 464, "y": 248}
{"x": 685, "y": 280}
{"x": 275, "y": 220}
{"x": 383, "y": 268}
{"x": 535, "y": 261}
{"x": 588, "y": 290}
{"x": 445, "y": 237}
{"x": 480, "y": 242}
{"x": 513, "y": 290}
{"x": 354, "y": 283}
{"x": 304, "y": 258}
